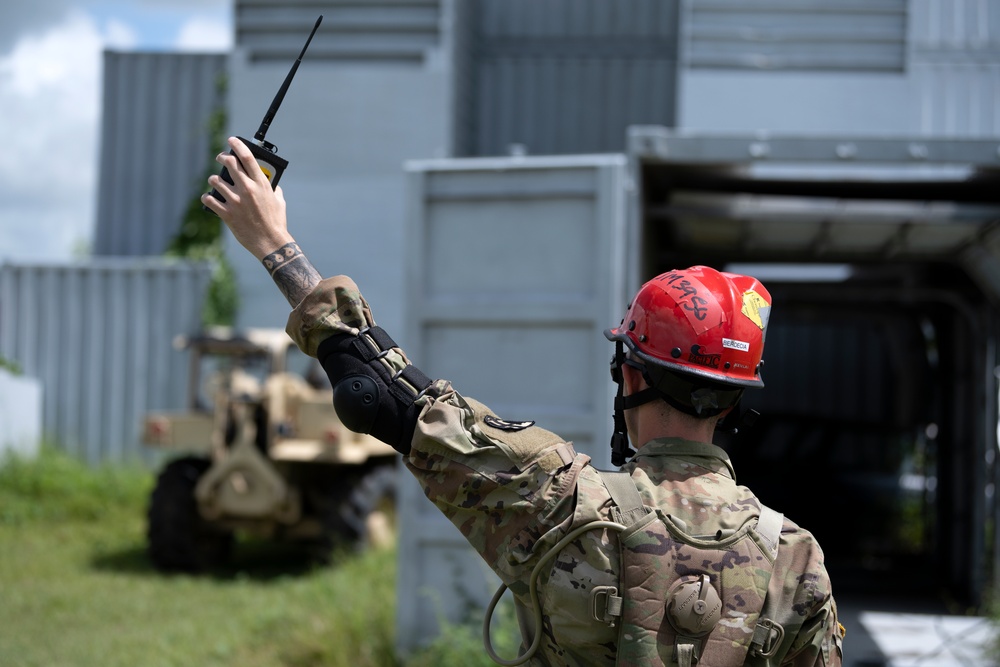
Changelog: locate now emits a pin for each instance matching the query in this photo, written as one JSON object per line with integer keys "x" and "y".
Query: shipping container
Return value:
{"x": 879, "y": 416}
{"x": 508, "y": 281}
{"x": 879, "y": 419}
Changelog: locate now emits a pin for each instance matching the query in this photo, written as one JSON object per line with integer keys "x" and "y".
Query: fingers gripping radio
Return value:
{"x": 272, "y": 164}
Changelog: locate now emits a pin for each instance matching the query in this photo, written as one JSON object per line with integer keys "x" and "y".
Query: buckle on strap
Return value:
{"x": 605, "y": 604}
{"x": 767, "y": 638}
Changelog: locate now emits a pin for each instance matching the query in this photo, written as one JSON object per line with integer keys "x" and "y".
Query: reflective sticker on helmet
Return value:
{"x": 740, "y": 345}
{"x": 700, "y": 306}
{"x": 756, "y": 308}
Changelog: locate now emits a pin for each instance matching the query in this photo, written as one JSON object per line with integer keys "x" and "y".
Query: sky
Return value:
{"x": 50, "y": 99}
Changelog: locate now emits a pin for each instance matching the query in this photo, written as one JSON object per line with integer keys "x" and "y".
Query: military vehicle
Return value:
{"x": 260, "y": 451}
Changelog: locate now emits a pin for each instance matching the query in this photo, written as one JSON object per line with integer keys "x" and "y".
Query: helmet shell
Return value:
{"x": 699, "y": 321}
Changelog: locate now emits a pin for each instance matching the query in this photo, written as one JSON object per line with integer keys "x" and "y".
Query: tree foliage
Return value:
{"x": 200, "y": 235}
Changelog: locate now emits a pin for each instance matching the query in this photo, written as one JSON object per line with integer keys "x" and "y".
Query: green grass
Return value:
{"x": 77, "y": 590}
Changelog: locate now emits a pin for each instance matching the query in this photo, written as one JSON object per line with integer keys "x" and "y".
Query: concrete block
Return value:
{"x": 20, "y": 415}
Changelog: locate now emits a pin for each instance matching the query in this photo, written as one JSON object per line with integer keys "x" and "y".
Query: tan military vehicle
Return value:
{"x": 260, "y": 451}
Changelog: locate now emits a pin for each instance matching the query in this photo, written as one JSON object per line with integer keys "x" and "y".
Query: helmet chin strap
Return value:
{"x": 620, "y": 450}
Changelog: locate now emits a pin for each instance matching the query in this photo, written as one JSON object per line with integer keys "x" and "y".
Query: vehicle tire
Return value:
{"x": 179, "y": 539}
{"x": 370, "y": 508}
{"x": 358, "y": 510}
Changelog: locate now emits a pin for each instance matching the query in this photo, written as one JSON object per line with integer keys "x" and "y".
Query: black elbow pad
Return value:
{"x": 369, "y": 398}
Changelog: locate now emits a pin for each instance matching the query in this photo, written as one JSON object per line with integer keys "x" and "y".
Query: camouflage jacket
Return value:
{"x": 515, "y": 490}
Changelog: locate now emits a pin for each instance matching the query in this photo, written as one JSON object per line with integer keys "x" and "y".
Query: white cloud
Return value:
{"x": 204, "y": 33}
{"x": 50, "y": 87}
{"x": 120, "y": 36}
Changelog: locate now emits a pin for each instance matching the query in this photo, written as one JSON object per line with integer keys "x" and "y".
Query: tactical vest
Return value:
{"x": 678, "y": 599}
{"x": 689, "y": 599}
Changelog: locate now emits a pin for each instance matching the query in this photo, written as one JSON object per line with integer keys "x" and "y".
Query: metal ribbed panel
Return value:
{"x": 98, "y": 337}
{"x": 382, "y": 30}
{"x": 562, "y": 19}
{"x": 865, "y": 35}
{"x": 959, "y": 100}
{"x": 967, "y": 25}
{"x": 155, "y": 105}
{"x": 567, "y": 76}
{"x": 956, "y": 67}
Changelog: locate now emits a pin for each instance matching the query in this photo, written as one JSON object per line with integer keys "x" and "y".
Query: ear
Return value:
{"x": 634, "y": 382}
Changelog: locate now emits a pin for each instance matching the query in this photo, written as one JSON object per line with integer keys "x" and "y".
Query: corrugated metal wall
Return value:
{"x": 400, "y": 31}
{"x": 966, "y": 25}
{"x": 886, "y": 67}
{"x": 155, "y": 146}
{"x": 956, "y": 64}
{"x": 850, "y": 35}
{"x": 563, "y": 76}
{"x": 98, "y": 336}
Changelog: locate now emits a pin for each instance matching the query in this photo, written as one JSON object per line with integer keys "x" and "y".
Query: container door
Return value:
{"x": 515, "y": 268}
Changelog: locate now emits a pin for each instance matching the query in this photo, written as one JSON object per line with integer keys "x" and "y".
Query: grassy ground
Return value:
{"x": 76, "y": 589}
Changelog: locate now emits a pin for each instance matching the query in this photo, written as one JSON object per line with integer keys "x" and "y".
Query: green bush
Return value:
{"x": 200, "y": 236}
{"x": 10, "y": 366}
{"x": 56, "y": 487}
{"x": 462, "y": 645}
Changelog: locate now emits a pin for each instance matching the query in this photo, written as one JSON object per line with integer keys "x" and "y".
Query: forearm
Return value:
{"x": 292, "y": 272}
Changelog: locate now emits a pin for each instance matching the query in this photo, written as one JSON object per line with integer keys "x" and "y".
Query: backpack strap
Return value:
{"x": 768, "y": 634}
{"x": 769, "y": 528}
{"x": 628, "y": 507}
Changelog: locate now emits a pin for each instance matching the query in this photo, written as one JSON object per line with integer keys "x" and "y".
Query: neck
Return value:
{"x": 656, "y": 420}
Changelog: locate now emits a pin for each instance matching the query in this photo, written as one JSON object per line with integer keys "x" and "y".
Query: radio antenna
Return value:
{"x": 280, "y": 95}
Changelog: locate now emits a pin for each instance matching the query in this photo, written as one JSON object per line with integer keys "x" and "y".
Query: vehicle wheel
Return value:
{"x": 358, "y": 510}
{"x": 179, "y": 539}
{"x": 370, "y": 510}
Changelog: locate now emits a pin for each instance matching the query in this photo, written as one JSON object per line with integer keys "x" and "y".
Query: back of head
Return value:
{"x": 697, "y": 335}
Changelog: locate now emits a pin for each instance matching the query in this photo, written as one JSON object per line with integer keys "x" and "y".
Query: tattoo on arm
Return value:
{"x": 292, "y": 272}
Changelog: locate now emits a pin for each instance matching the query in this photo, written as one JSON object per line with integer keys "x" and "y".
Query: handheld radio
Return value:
{"x": 266, "y": 153}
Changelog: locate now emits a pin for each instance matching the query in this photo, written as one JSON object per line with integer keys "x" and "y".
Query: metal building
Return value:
{"x": 896, "y": 67}
{"x": 563, "y": 76}
{"x": 98, "y": 335}
{"x": 372, "y": 92}
{"x": 154, "y": 104}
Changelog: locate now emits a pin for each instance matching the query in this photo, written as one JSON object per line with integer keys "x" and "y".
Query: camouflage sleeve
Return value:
{"x": 334, "y": 306}
{"x": 509, "y": 487}
{"x": 819, "y": 640}
{"x": 505, "y": 485}
{"x": 800, "y": 597}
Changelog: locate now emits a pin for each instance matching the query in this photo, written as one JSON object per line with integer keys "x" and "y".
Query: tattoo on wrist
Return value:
{"x": 292, "y": 272}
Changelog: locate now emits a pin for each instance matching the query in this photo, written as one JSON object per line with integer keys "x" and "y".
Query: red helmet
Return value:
{"x": 701, "y": 322}
{"x": 697, "y": 335}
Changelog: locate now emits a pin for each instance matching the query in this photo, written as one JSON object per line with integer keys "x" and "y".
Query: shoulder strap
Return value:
{"x": 769, "y": 528}
{"x": 628, "y": 507}
{"x": 767, "y": 634}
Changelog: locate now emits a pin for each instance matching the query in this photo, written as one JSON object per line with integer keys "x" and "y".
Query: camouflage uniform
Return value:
{"x": 514, "y": 490}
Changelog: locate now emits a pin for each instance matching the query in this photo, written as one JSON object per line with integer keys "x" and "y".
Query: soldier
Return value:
{"x": 667, "y": 561}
